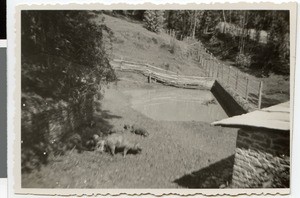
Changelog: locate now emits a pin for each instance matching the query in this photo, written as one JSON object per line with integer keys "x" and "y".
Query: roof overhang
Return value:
{"x": 274, "y": 117}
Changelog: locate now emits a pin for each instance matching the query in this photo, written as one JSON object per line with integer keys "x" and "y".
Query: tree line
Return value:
{"x": 272, "y": 56}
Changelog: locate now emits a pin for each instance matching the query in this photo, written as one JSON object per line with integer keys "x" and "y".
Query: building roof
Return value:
{"x": 274, "y": 117}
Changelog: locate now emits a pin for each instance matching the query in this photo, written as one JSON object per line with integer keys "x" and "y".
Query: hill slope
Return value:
{"x": 132, "y": 41}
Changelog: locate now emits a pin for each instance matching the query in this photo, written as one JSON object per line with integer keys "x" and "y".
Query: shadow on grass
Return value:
{"x": 251, "y": 71}
{"x": 101, "y": 119}
{"x": 52, "y": 133}
{"x": 265, "y": 101}
{"x": 216, "y": 175}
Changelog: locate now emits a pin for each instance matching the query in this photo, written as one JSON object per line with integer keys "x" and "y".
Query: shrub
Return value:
{"x": 170, "y": 47}
{"x": 243, "y": 60}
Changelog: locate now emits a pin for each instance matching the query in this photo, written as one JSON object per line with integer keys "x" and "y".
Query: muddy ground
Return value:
{"x": 175, "y": 155}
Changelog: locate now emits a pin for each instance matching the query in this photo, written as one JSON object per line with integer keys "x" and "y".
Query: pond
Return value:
{"x": 173, "y": 104}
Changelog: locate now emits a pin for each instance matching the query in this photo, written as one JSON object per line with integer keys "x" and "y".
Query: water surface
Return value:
{"x": 173, "y": 104}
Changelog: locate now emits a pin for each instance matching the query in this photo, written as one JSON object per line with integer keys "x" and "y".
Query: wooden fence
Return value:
{"x": 164, "y": 76}
{"x": 242, "y": 84}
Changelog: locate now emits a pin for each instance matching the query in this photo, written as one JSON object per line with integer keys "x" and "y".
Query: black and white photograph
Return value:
{"x": 155, "y": 99}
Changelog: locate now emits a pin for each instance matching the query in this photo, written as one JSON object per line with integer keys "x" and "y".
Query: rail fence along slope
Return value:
{"x": 242, "y": 84}
{"x": 164, "y": 76}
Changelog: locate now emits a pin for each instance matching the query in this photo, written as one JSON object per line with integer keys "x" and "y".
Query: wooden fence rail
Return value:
{"x": 242, "y": 84}
{"x": 164, "y": 76}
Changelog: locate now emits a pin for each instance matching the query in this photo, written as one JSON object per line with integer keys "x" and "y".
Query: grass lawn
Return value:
{"x": 177, "y": 154}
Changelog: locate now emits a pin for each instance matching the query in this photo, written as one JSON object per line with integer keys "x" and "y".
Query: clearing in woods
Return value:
{"x": 133, "y": 42}
{"x": 177, "y": 154}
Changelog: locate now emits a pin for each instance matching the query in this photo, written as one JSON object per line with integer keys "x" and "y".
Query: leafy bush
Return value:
{"x": 154, "y": 20}
{"x": 243, "y": 60}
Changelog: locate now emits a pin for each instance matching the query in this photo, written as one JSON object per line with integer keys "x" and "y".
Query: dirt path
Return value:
{"x": 170, "y": 154}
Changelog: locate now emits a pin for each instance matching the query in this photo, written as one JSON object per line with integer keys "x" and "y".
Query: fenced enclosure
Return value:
{"x": 247, "y": 87}
{"x": 241, "y": 83}
{"x": 250, "y": 89}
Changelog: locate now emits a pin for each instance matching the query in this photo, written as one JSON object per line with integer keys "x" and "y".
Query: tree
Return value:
{"x": 198, "y": 14}
{"x": 185, "y": 22}
{"x": 154, "y": 20}
{"x": 63, "y": 54}
{"x": 272, "y": 55}
{"x": 64, "y": 63}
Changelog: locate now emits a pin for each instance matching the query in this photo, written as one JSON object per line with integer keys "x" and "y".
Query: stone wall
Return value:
{"x": 262, "y": 159}
{"x": 45, "y": 125}
{"x": 232, "y": 103}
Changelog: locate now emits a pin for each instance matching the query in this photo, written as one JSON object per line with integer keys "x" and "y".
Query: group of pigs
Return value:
{"x": 117, "y": 141}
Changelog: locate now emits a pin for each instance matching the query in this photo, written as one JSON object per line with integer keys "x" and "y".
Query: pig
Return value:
{"x": 74, "y": 141}
{"x": 137, "y": 130}
{"x": 118, "y": 141}
{"x": 91, "y": 144}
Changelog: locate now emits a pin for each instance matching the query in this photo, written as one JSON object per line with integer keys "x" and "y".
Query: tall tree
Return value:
{"x": 198, "y": 14}
{"x": 154, "y": 20}
{"x": 63, "y": 65}
{"x": 63, "y": 53}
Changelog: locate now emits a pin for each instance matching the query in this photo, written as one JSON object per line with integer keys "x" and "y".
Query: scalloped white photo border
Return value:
{"x": 14, "y": 95}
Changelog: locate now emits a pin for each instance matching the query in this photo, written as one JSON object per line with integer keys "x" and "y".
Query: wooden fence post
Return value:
{"x": 260, "y": 94}
{"x": 237, "y": 79}
{"x": 222, "y": 72}
{"x": 228, "y": 75}
{"x": 149, "y": 78}
{"x": 121, "y": 65}
{"x": 213, "y": 68}
{"x": 208, "y": 68}
{"x": 200, "y": 60}
{"x": 247, "y": 84}
{"x": 205, "y": 63}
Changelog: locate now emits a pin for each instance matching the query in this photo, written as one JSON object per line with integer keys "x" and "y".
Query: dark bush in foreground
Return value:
{"x": 64, "y": 64}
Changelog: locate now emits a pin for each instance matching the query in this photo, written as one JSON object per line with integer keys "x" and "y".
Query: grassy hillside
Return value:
{"x": 132, "y": 41}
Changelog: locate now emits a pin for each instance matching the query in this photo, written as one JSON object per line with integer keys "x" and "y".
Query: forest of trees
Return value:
{"x": 272, "y": 56}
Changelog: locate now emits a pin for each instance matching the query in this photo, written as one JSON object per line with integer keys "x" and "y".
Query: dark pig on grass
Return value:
{"x": 74, "y": 141}
{"x": 137, "y": 130}
{"x": 93, "y": 142}
{"x": 116, "y": 142}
